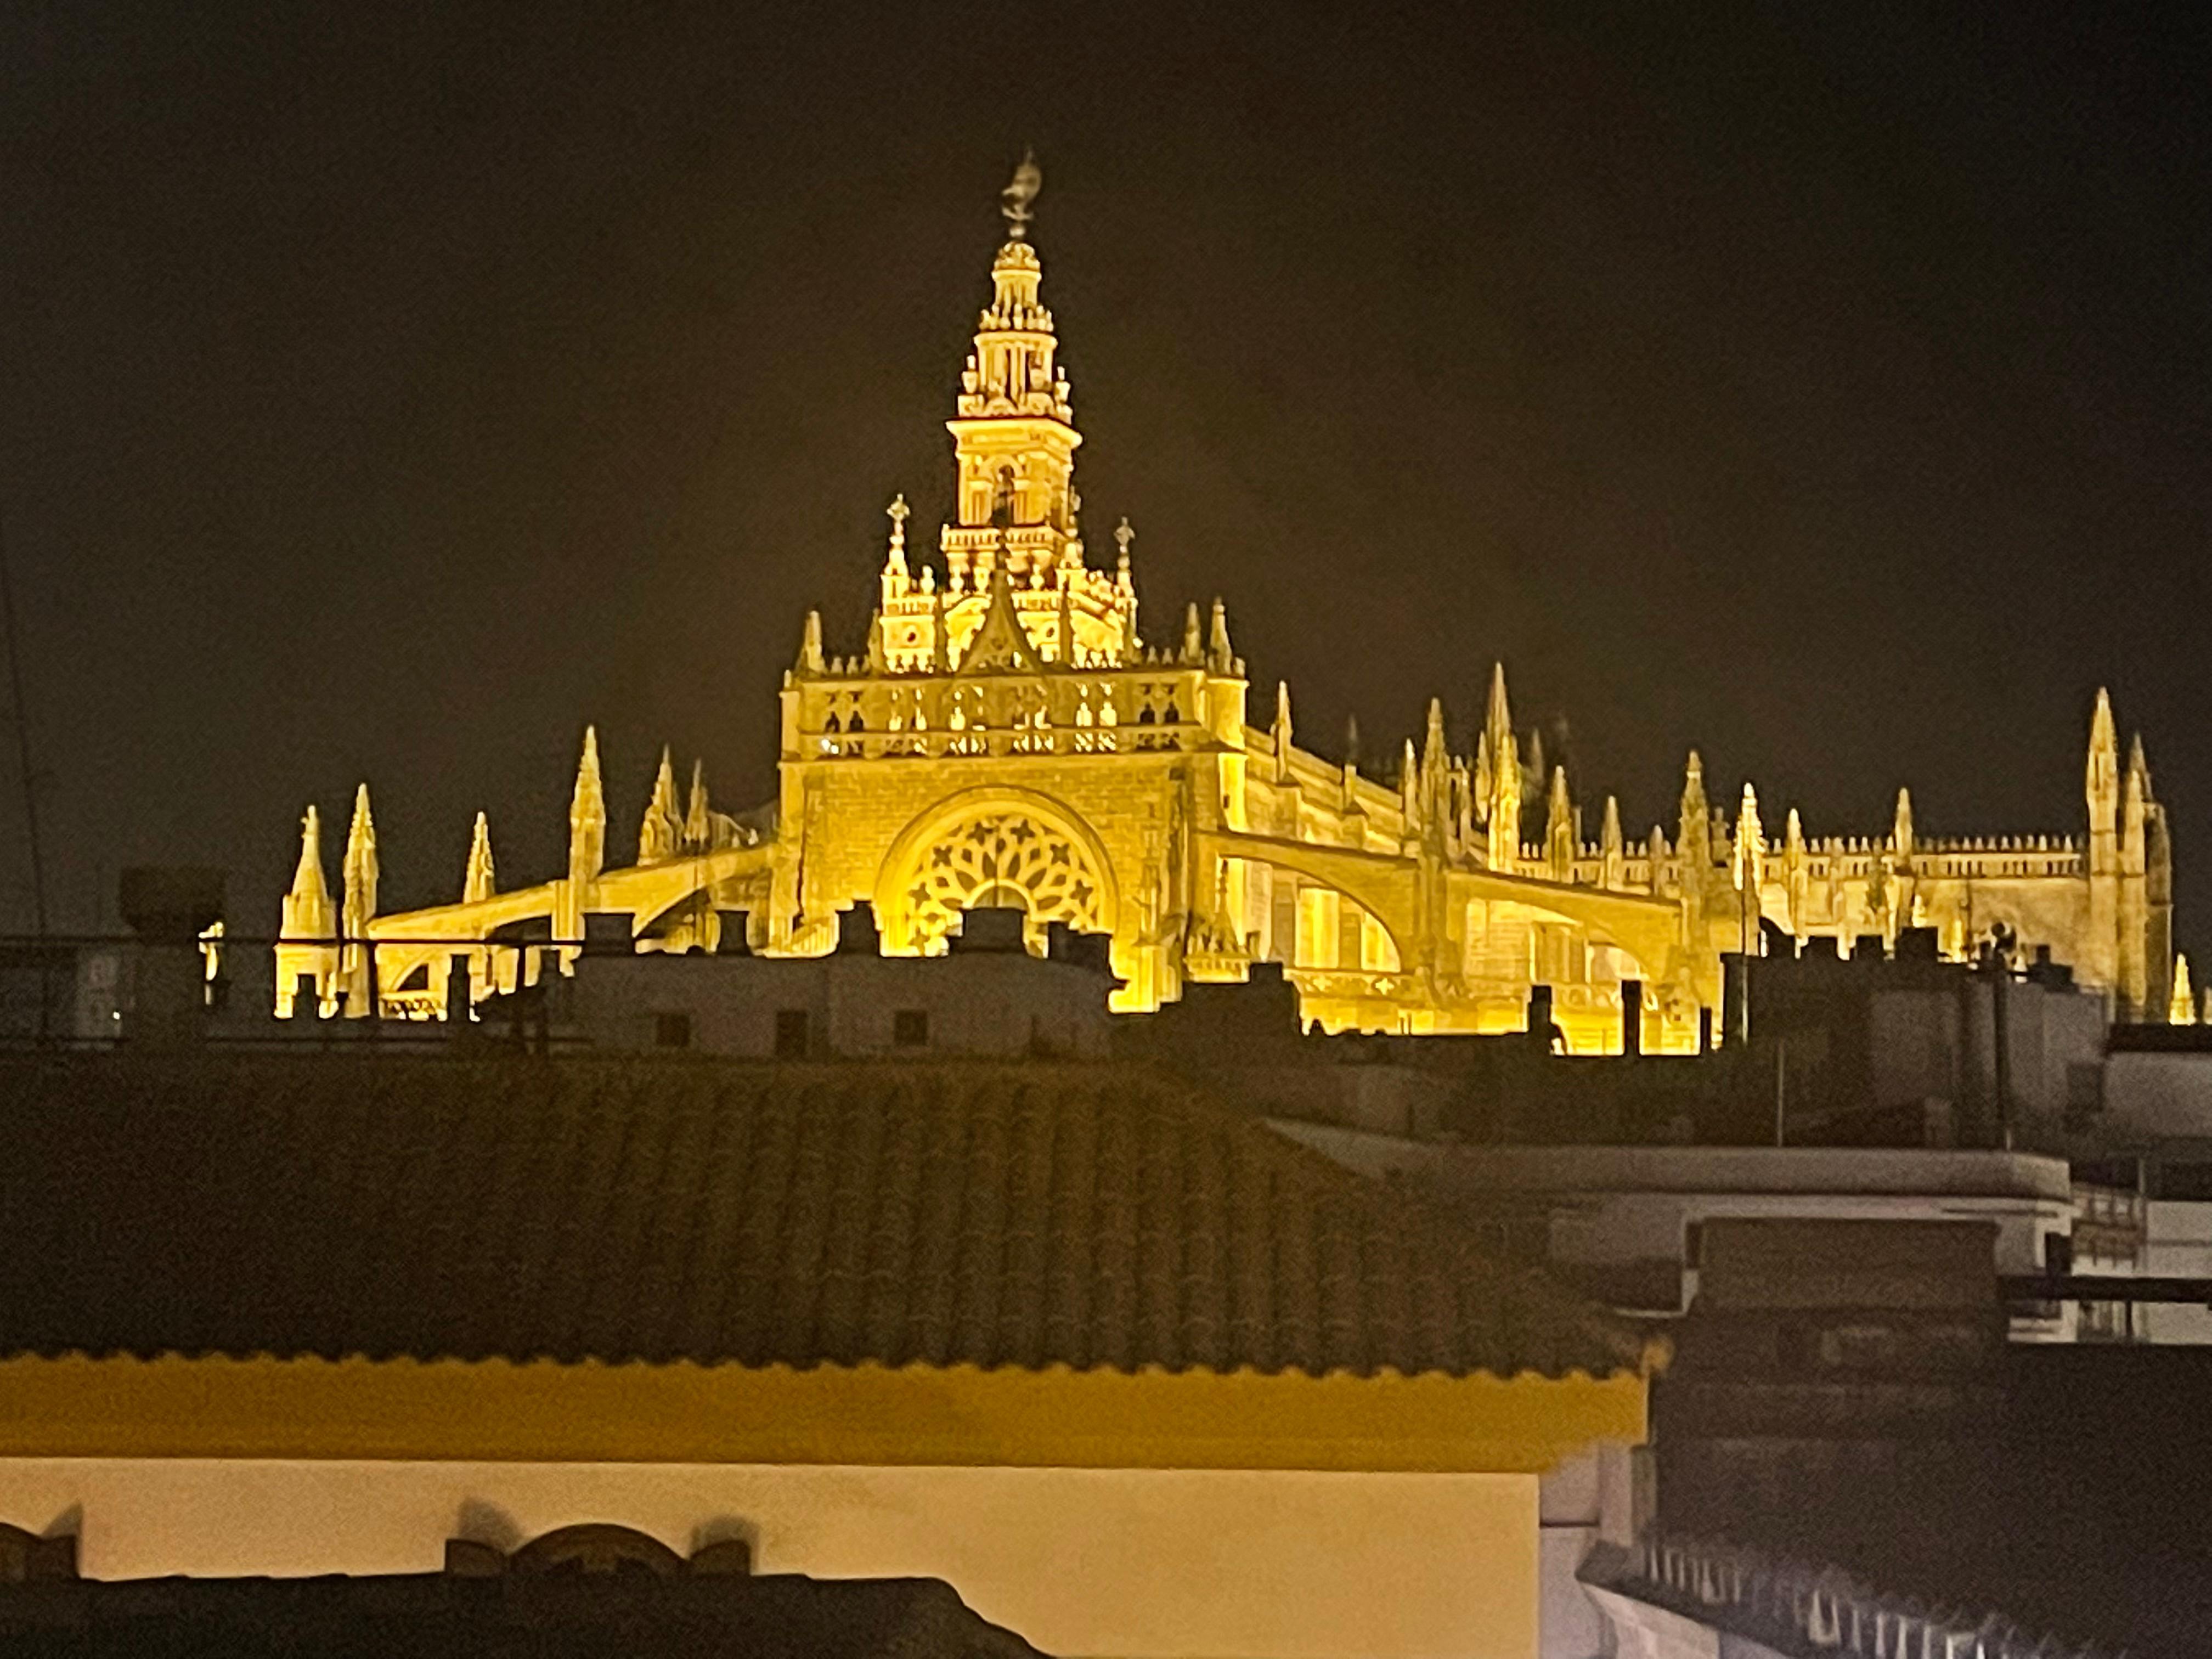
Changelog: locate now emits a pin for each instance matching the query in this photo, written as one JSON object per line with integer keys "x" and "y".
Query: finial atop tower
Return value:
{"x": 898, "y": 512}
{"x": 1014, "y": 200}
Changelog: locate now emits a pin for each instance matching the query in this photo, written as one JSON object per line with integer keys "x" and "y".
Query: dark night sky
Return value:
{"x": 387, "y": 391}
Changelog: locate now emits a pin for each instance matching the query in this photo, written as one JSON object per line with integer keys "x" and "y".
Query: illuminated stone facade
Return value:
{"x": 1004, "y": 734}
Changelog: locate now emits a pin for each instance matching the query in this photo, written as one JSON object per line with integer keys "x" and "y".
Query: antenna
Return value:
{"x": 22, "y": 742}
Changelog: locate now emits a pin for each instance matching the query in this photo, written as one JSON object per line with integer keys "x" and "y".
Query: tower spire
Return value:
{"x": 477, "y": 881}
{"x": 2141, "y": 964}
{"x": 307, "y": 906}
{"x": 698, "y": 824}
{"x": 1504, "y": 752}
{"x": 587, "y": 815}
{"x": 1282, "y": 732}
{"x": 1560, "y": 840}
{"x": 1013, "y": 426}
{"x": 1497, "y": 718}
{"x": 1750, "y": 859}
{"x": 361, "y": 867}
{"x": 658, "y": 834}
{"x": 2101, "y": 789}
{"x": 1693, "y": 848}
{"x": 2101, "y": 783}
{"x": 1435, "y": 767}
{"x": 357, "y": 964}
{"x": 1219, "y": 657}
{"x": 1696, "y": 827}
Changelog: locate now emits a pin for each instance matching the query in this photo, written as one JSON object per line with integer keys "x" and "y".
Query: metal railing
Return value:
{"x": 1809, "y": 1610}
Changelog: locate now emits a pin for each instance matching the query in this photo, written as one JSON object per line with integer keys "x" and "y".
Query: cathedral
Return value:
{"x": 1007, "y": 734}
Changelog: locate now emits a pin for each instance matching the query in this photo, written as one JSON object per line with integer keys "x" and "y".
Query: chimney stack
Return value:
{"x": 169, "y": 909}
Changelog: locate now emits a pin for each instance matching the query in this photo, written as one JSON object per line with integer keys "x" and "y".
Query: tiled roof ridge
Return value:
{"x": 1012, "y": 1214}
{"x": 592, "y": 1362}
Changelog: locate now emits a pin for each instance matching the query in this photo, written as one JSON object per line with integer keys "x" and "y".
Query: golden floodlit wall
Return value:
{"x": 1208, "y": 1564}
{"x": 1108, "y": 1513}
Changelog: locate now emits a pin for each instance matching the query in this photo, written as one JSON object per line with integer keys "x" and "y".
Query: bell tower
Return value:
{"x": 1014, "y": 431}
{"x": 1015, "y": 508}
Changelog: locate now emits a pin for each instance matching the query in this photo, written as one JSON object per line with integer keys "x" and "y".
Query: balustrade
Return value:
{"x": 955, "y": 742}
{"x": 1818, "y": 1608}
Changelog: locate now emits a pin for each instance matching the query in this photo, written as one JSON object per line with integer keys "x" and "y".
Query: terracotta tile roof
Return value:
{"x": 1017, "y": 1214}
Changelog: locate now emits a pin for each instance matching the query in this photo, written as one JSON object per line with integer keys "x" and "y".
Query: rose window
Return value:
{"x": 1007, "y": 858}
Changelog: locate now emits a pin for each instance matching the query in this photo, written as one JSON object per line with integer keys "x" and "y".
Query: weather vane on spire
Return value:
{"x": 1015, "y": 198}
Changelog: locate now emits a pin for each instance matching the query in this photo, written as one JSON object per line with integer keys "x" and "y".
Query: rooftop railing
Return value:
{"x": 1816, "y": 1611}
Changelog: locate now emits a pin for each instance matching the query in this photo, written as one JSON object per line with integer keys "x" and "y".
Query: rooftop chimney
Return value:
{"x": 169, "y": 909}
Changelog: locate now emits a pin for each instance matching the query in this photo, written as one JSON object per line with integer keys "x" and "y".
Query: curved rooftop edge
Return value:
{"x": 494, "y": 1410}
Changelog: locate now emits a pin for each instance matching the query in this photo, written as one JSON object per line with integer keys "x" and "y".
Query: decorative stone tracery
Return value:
{"x": 1005, "y": 856}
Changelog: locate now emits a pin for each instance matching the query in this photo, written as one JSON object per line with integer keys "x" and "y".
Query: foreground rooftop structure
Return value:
{"x": 1131, "y": 1373}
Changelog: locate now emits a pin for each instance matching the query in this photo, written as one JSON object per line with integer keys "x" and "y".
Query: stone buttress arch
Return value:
{"x": 1378, "y": 884}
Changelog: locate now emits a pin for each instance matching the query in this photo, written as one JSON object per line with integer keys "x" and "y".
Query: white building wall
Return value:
{"x": 1571, "y": 1507}
{"x": 2178, "y": 1244}
{"x": 976, "y": 1003}
{"x": 1168, "y": 1563}
{"x": 1615, "y": 1206}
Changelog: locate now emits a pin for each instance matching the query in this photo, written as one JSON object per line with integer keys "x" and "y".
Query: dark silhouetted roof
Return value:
{"x": 1017, "y": 1214}
{"x": 429, "y": 1614}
